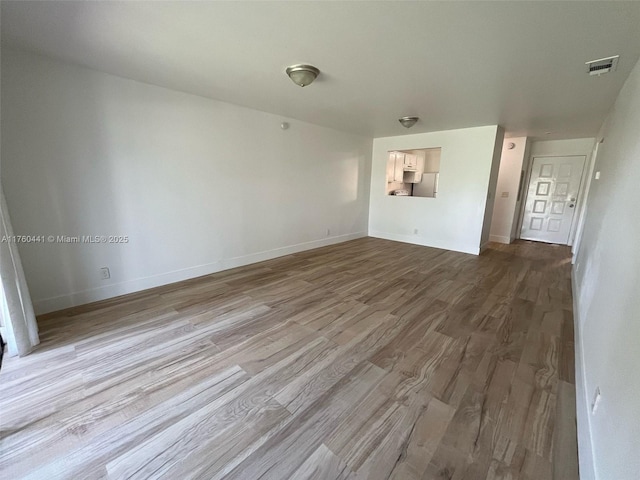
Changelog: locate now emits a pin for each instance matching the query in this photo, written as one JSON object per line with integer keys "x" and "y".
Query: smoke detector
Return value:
{"x": 602, "y": 65}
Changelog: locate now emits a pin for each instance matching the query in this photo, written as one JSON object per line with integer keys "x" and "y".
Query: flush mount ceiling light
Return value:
{"x": 408, "y": 122}
{"x": 302, "y": 75}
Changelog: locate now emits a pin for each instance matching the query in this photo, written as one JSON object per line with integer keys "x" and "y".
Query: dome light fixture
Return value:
{"x": 408, "y": 122}
{"x": 302, "y": 75}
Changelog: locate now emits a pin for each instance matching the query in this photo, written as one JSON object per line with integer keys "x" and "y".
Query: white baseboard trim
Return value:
{"x": 418, "y": 240}
{"x": 583, "y": 419}
{"x": 499, "y": 239}
{"x": 82, "y": 297}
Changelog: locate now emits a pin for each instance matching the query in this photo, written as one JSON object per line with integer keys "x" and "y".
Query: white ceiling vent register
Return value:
{"x": 602, "y": 65}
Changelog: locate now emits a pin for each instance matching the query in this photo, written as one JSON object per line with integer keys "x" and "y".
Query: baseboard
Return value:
{"x": 583, "y": 419}
{"x": 418, "y": 240}
{"x": 61, "y": 302}
{"x": 499, "y": 239}
{"x": 234, "y": 262}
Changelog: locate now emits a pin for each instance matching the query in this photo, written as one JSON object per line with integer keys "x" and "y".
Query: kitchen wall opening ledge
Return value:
{"x": 413, "y": 173}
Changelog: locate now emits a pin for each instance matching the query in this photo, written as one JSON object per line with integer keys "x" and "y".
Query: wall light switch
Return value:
{"x": 597, "y": 176}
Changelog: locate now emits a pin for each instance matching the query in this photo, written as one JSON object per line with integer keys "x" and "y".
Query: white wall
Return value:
{"x": 197, "y": 185}
{"x": 573, "y": 146}
{"x": 505, "y": 208}
{"x": 491, "y": 191}
{"x": 607, "y": 279}
{"x": 454, "y": 219}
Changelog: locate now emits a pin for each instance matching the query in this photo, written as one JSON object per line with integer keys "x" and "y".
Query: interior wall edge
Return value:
{"x": 417, "y": 240}
{"x": 500, "y": 239}
{"x": 492, "y": 187}
{"x": 585, "y": 444}
{"x": 74, "y": 299}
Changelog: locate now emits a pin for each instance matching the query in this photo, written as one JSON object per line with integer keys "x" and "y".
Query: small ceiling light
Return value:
{"x": 302, "y": 75}
{"x": 408, "y": 122}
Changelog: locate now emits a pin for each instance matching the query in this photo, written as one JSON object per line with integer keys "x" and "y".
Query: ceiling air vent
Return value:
{"x": 602, "y": 65}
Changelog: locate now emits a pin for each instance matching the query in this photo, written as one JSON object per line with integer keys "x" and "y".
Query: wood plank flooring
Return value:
{"x": 369, "y": 359}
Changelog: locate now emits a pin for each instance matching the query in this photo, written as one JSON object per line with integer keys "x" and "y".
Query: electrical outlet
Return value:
{"x": 597, "y": 177}
{"x": 328, "y": 232}
{"x": 415, "y": 231}
{"x": 505, "y": 194}
{"x": 105, "y": 273}
{"x": 596, "y": 400}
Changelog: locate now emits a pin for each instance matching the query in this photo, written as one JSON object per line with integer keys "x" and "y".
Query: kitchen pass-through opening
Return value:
{"x": 413, "y": 173}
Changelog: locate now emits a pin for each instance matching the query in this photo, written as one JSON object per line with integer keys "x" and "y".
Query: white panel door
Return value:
{"x": 551, "y": 198}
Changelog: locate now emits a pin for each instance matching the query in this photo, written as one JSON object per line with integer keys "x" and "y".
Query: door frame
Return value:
{"x": 581, "y": 193}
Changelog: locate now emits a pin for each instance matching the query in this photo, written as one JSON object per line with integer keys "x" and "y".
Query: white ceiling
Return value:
{"x": 455, "y": 64}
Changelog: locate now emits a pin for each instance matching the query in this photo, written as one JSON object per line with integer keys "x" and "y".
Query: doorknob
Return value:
{"x": 571, "y": 205}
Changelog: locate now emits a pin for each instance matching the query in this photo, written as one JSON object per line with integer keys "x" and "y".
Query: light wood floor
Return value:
{"x": 368, "y": 360}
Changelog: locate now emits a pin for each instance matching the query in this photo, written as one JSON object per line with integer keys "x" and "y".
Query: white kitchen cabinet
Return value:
{"x": 395, "y": 167}
{"x": 391, "y": 167}
{"x": 399, "y": 167}
{"x": 412, "y": 177}
{"x": 410, "y": 161}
